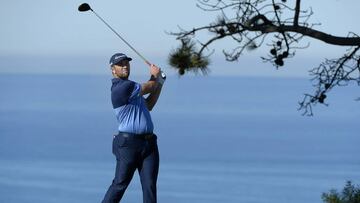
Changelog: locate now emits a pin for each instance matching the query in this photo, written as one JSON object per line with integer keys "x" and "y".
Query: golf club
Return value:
{"x": 86, "y": 7}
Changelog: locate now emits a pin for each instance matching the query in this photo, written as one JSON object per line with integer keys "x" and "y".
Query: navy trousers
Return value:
{"x": 134, "y": 152}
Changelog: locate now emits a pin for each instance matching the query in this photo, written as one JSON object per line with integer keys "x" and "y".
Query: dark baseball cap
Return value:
{"x": 116, "y": 58}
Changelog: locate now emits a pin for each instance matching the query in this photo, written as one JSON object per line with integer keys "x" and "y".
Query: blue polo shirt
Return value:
{"x": 130, "y": 107}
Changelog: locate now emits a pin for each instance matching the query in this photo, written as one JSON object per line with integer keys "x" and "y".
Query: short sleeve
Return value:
{"x": 124, "y": 91}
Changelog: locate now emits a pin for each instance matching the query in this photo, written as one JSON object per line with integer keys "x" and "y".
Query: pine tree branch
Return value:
{"x": 306, "y": 31}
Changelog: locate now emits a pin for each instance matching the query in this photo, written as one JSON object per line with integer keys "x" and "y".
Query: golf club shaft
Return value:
{"x": 146, "y": 61}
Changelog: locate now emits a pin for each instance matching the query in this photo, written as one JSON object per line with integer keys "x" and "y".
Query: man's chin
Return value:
{"x": 124, "y": 76}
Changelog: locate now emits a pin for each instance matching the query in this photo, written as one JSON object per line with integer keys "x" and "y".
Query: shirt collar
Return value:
{"x": 116, "y": 80}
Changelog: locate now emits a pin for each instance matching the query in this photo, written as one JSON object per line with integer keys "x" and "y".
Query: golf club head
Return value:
{"x": 84, "y": 7}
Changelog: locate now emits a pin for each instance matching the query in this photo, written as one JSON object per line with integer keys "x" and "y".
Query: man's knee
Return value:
{"x": 120, "y": 183}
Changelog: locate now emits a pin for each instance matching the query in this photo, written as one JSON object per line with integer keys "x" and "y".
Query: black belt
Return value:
{"x": 145, "y": 136}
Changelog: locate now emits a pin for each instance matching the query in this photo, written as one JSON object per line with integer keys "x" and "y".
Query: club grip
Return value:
{"x": 163, "y": 75}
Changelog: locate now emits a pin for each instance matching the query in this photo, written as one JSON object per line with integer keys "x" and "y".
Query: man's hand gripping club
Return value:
{"x": 153, "y": 86}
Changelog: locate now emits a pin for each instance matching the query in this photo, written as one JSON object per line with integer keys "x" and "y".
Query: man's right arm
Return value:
{"x": 151, "y": 85}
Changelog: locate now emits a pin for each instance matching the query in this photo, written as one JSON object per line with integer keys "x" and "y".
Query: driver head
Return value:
{"x": 84, "y": 7}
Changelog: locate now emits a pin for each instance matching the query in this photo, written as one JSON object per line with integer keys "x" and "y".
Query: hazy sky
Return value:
{"x": 51, "y": 36}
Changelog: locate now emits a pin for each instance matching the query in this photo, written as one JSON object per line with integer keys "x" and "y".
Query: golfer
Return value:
{"x": 135, "y": 145}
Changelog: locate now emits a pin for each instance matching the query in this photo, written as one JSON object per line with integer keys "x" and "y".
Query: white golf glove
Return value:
{"x": 162, "y": 78}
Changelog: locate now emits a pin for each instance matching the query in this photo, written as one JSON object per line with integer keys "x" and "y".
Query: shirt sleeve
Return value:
{"x": 136, "y": 91}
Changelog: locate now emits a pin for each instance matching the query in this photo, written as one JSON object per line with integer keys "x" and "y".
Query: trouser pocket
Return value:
{"x": 118, "y": 142}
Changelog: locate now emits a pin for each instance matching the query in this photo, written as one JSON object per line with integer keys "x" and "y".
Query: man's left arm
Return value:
{"x": 154, "y": 96}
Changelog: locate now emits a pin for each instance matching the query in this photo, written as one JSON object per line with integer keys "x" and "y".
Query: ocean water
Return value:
{"x": 221, "y": 139}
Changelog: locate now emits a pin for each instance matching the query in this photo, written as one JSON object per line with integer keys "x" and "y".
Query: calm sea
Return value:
{"x": 221, "y": 139}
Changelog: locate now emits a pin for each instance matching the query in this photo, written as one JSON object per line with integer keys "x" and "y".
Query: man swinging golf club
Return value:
{"x": 135, "y": 145}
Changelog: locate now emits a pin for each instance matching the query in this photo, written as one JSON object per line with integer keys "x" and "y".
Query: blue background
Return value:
{"x": 221, "y": 139}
